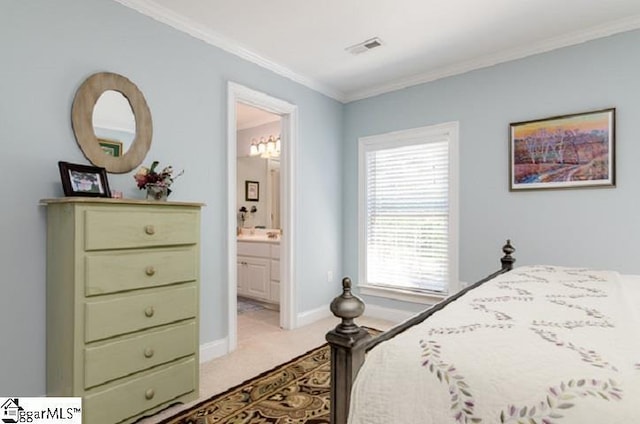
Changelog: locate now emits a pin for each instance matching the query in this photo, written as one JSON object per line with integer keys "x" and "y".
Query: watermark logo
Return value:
{"x": 36, "y": 410}
{"x": 10, "y": 409}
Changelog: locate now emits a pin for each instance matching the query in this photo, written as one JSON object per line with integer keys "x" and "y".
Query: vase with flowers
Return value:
{"x": 156, "y": 183}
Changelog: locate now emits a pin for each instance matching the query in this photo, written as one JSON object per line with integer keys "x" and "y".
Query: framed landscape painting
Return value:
{"x": 567, "y": 151}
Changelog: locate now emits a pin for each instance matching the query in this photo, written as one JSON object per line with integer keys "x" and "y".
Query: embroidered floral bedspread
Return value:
{"x": 536, "y": 345}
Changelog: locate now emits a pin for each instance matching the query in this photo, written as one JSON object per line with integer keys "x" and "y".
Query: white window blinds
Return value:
{"x": 406, "y": 214}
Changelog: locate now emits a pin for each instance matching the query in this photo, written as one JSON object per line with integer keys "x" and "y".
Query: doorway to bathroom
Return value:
{"x": 261, "y": 146}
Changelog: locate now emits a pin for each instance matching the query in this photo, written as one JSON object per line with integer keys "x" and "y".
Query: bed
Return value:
{"x": 534, "y": 344}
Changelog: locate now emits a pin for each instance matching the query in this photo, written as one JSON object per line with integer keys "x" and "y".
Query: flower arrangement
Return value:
{"x": 150, "y": 178}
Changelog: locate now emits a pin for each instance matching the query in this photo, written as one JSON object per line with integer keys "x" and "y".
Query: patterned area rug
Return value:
{"x": 295, "y": 392}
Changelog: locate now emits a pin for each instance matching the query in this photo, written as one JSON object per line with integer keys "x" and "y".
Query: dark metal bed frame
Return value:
{"x": 349, "y": 342}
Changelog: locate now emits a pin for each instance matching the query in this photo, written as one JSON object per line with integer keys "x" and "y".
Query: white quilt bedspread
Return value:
{"x": 535, "y": 345}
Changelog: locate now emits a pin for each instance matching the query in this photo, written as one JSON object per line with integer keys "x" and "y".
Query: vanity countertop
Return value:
{"x": 259, "y": 235}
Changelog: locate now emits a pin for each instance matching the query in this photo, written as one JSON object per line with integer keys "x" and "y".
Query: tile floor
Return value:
{"x": 261, "y": 346}
{"x": 248, "y": 305}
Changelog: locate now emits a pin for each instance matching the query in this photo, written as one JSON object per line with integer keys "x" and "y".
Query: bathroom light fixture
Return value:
{"x": 271, "y": 145}
{"x": 266, "y": 149}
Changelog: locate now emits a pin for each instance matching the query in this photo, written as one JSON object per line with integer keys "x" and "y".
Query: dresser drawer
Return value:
{"x": 110, "y": 272}
{"x": 120, "y": 229}
{"x": 133, "y": 354}
{"x": 134, "y": 396}
{"x": 111, "y": 317}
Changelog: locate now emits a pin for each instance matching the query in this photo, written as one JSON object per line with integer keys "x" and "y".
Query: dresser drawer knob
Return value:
{"x": 148, "y": 352}
{"x": 149, "y": 312}
{"x": 150, "y": 229}
{"x": 149, "y": 394}
{"x": 150, "y": 271}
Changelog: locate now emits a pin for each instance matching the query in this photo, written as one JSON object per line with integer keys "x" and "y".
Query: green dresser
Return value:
{"x": 122, "y": 305}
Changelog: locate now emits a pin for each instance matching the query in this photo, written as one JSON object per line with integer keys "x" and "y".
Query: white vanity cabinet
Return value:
{"x": 274, "y": 294}
{"x": 253, "y": 277}
{"x": 259, "y": 271}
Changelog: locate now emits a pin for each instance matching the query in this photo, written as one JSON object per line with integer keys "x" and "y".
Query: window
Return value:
{"x": 408, "y": 198}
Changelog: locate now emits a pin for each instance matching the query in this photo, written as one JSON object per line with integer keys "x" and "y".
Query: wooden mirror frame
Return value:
{"x": 82, "y": 122}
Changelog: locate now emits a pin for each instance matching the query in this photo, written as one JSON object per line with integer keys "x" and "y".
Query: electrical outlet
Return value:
{"x": 329, "y": 276}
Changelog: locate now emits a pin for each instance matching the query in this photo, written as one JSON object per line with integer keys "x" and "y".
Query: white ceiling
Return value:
{"x": 424, "y": 40}
{"x": 249, "y": 116}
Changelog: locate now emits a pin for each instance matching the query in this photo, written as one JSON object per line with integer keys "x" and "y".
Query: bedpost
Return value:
{"x": 507, "y": 260}
{"x": 347, "y": 343}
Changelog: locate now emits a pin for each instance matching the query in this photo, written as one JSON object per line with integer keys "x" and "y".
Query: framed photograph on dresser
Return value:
{"x": 83, "y": 180}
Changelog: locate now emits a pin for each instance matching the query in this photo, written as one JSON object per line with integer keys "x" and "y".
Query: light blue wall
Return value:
{"x": 47, "y": 48}
{"x": 587, "y": 227}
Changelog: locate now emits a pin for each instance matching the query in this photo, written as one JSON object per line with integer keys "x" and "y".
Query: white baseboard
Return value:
{"x": 313, "y": 315}
{"x": 387, "y": 314}
{"x": 372, "y": 311}
{"x": 214, "y": 349}
{"x": 218, "y": 348}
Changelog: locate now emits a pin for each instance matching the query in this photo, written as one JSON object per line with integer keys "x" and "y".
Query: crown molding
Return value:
{"x": 577, "y": 37}
{"x": 201, "y": 32}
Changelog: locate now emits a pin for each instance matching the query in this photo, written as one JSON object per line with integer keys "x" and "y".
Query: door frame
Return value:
{"x": 289, "y": 122}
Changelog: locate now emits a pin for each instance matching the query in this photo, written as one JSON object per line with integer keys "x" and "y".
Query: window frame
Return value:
{"x": 427, "y": 134}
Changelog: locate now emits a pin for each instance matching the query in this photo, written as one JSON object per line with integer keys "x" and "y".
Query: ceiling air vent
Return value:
{"x": 365, "y": 46}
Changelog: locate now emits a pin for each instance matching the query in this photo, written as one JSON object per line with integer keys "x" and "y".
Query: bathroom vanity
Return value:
{"x": 259, "y": 267}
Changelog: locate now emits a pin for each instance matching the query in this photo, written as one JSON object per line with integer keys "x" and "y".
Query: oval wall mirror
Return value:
{"x": 112, "y": 122}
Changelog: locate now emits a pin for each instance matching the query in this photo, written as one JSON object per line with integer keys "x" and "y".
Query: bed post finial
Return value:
{"x": 347, "y": 307}
{"x": 508, "y": 260}
{"x": 347, "y": 343}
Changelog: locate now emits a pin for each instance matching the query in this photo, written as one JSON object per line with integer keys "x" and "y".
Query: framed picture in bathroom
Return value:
{"x": 252, "y": 191}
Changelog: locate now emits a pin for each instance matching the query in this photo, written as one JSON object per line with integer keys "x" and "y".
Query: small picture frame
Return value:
{"x": 252, "y": 191}
{"x": 569, "y": 151}
{"x": 111, "y": 147}
{"x": 83, "y": 180}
